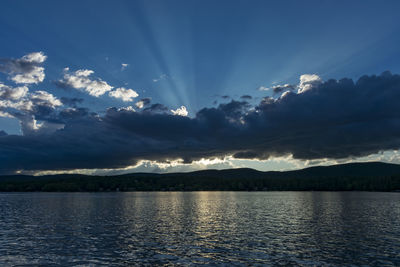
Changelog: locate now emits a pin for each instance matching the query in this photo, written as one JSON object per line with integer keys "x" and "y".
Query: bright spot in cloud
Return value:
{"x": 128, "y": 108}
{"x": 308, "y": 81}
{"x": 182, "y": 111}
{"x": 139, "y": 104}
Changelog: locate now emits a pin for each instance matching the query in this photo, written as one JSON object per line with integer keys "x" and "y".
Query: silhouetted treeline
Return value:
{"x": 359, "y": 176}
{"x": 181, "y": 183}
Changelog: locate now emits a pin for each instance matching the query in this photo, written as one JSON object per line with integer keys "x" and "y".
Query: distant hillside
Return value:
{"x": 370, "y": 176}
{"x": 348, "y": 169}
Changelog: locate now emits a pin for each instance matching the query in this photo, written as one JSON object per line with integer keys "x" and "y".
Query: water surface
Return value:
{"x": 200, "y": 228}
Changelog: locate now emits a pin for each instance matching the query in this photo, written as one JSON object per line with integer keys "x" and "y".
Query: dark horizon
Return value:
{"x": 371, "y": 176}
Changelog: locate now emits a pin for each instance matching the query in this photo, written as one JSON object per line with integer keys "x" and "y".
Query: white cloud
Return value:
{"x": 139, "y": 104}
{"x": 80, "y": 80}
{"x": 10, "y": 93}
{"x": 124, "y": 66}
{"x": 28, "y": 124}
{"x": 44, "y": 98}
{"x": 13, "y": 98}
{"x": 83, "y": 73}
{"x": 32, "y": 77}
{"x": 36, "y": 57}
{"x": 308, "y": 81}
{"x": 29, "y": 109}
{"x": 25, "y": 70}
{"x": 182, "y": 111}
{"x": 15, "y": 105}
{"x": 25, "y": 106}
{"x": 124, "y": 94}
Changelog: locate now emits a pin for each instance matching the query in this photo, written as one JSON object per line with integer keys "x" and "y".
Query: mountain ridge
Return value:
{"x": 367, "y": 176}
{"x": 375, "y": 166}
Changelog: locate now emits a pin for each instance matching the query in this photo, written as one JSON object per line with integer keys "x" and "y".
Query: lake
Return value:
{"x": 200, "y": 228}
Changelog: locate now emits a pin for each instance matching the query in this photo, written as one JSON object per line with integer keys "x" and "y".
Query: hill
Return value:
{"x": 370, "y": 176}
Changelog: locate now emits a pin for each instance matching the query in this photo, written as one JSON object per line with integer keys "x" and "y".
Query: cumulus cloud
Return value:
{"x": 13, "y": 98}
{"x": 335, "y": 119}
{"x": 39, "y": 105}
{"x": 27, "y": 106}
{"x": 124, "y": 94}
{"x": 308, "y": 81}
{"x": 30, "y": 126}
{"x": 8, "y": 92}
{"x": 43, "y": 98}
{"x": 25, "y": 70}
{"x": 81, "y": 79}
{"x": 182, "y": 111}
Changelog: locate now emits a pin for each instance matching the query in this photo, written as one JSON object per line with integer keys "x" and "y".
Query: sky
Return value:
{"x": 108, "y": 87}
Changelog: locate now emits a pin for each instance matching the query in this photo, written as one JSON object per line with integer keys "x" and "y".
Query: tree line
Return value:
{"x": 184, "y": 182}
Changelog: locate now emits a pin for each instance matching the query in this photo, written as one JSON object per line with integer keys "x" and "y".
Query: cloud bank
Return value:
{"x": 332, "y": 119}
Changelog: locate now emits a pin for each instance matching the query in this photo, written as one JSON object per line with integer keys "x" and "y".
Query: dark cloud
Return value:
{"x": 332, "y": 119}
{"x": 74, "y": 113}
{"x": 246, "y": 155}
{"x": 146, "y": 101}
{"x": 156, "y": 108}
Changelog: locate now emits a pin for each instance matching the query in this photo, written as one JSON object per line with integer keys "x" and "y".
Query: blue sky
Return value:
{"x": 191, "y": 53}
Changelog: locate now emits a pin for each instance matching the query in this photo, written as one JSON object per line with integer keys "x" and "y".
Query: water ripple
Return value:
{"x": 200, "y": 228}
